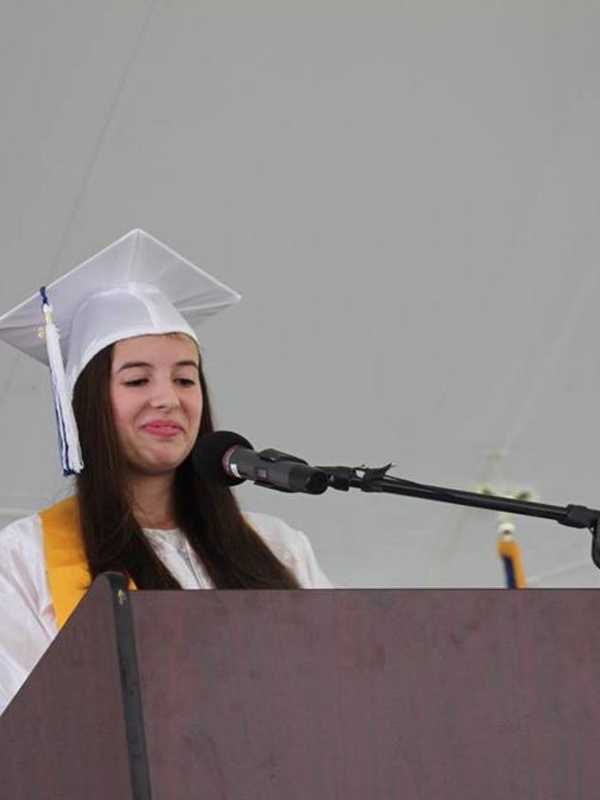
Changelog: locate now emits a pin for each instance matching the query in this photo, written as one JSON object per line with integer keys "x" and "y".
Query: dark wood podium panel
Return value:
{"x": 63, "y": 736}
{"x": 312, "y": 695}
{"x": 371, "y": 694}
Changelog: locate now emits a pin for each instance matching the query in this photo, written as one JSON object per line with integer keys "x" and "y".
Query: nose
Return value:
{"x": 164, "y": 396}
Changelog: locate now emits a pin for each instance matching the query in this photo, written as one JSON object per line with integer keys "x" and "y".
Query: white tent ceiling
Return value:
{"x": 406, "y": 194}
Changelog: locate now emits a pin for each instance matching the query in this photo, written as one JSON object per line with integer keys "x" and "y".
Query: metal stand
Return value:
{"x": 377, "y": 480}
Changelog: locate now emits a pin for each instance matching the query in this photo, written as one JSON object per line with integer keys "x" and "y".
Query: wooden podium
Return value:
{"x": 312, "y": 695}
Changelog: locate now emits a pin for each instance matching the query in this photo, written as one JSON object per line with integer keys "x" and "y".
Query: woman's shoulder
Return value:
{"x": 277, "y": 533}
{"x": 22, "y": 534}
{"x": 22, "y": 552}
{"x": 291, "y": 546}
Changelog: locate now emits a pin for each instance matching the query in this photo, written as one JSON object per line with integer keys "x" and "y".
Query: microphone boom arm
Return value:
{"x": 377, "y": 480}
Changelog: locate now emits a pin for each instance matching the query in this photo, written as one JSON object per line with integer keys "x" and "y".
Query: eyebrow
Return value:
{"x": 132, "y": 364}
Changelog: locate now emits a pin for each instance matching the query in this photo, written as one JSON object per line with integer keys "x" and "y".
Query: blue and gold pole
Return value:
{"x": 510, "y": 553}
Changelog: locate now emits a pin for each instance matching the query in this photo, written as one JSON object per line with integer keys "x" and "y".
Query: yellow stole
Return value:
{"x": 66, "y": 565}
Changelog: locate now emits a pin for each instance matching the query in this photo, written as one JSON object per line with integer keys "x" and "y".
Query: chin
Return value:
{"x": 157, "y": 460}
{"x": 158, "y": 466}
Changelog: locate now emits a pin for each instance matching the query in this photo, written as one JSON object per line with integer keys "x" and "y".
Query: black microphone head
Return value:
{"x": 208, "y": 454}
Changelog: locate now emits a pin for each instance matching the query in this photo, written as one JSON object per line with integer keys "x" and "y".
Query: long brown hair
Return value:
{"x": 232, "y": 553}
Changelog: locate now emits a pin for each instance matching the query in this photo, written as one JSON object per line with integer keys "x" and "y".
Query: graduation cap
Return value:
{"x": 134, "y": 287}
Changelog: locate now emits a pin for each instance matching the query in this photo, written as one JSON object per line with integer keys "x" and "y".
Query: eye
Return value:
{"x": 185, "y": 381}
{"x": 136, "y": 382}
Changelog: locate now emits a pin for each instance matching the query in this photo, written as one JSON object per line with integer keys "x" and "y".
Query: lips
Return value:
{"x": 162, "y": 428}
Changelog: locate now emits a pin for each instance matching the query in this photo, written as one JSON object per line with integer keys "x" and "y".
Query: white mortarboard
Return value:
{"x": 135, "y": 286}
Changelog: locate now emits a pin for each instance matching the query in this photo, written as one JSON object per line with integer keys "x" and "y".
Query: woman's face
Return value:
{"x": 156, "y": 400}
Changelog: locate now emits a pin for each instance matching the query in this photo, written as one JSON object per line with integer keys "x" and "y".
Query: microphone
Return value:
{"x": 227, "y": 458}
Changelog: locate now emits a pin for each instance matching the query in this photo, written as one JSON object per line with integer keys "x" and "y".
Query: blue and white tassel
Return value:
{"x": 68, "y": 435}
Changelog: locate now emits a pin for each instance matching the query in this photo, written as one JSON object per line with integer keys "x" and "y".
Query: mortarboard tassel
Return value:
{"x": 510, "y": 553}
{"x": 68, "y": 435}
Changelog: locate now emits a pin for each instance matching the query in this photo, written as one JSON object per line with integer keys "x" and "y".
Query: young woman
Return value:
{"x": 139, "y": 402}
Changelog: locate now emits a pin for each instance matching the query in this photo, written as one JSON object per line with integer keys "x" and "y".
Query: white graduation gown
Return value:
{"x": 27, "y": 620}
